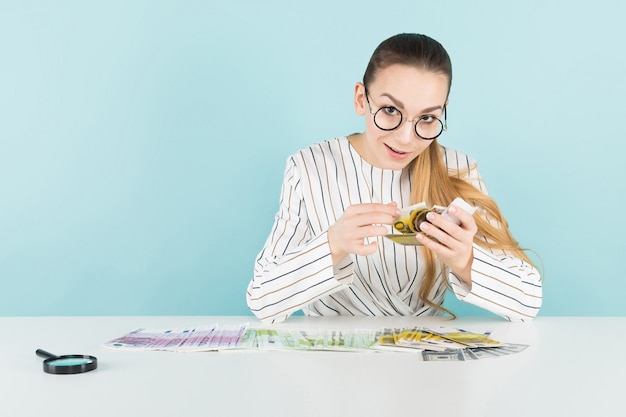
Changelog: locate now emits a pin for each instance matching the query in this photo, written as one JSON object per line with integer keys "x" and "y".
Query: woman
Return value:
{"x": 327, "y": 254}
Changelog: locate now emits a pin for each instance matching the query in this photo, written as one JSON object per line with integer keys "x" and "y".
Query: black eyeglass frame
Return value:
{"x": 444, "y": 124}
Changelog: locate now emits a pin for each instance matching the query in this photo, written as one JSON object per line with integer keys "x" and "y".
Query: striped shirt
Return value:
{"x": 294, "y": 270}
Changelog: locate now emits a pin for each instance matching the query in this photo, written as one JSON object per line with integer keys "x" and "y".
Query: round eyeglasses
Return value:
{"x": 427, "y": 127}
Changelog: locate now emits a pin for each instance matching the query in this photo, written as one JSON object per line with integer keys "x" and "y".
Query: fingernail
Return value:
{"x": 430, "y": 216}
{"x": 452, "y": 209}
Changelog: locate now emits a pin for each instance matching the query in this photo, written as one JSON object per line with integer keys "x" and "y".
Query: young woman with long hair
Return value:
{"x": 327, "y": 253}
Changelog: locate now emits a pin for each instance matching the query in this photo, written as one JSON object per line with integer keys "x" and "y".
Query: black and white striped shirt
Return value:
{"x": 294, "y": 269}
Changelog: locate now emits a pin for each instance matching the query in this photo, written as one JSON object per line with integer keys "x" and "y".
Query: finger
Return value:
{"x": 371, "y": 231}
{"x": 374, "y": 218}
{"x": 441, "y": 222}
{"x": 390, "y": 209}
{"x": 366, "y": 249}
{"x": 462, "y": 233}
{"x": 435, "y": 233}
{"x": 366, "y": 232}
{"x": 440, "y": 250}
{"x": 466, "y": 219}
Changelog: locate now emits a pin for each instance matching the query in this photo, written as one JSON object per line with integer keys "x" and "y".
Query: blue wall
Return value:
{"x": 142, "y": 143}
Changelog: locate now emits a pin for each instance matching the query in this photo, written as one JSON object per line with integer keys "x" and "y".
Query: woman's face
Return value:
{"x": 415, "y": 93}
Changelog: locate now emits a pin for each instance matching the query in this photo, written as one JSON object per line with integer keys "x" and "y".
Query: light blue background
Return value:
{"x": 142, "y": 143}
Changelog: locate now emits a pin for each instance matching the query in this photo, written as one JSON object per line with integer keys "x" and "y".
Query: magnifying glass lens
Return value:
{"x": 70, "y": 362}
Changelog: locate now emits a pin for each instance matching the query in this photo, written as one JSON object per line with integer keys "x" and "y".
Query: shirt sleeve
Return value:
{"x": 295, "y": 267}
{"x": 503, "y": 284}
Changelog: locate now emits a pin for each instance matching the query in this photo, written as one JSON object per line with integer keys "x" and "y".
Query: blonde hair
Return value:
{"x": 440, "y": 188}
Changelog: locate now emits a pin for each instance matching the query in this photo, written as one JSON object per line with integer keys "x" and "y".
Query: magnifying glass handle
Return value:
{"x": 42, "y": 353}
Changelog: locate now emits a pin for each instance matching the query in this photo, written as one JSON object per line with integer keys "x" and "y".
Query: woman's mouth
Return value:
{"x": 396, "y": 153}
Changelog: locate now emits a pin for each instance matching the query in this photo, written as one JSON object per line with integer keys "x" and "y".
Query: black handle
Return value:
{"x": 42, "y": 353}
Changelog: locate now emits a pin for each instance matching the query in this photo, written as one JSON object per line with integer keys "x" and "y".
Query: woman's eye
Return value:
{"x": 427, "y": 118}
{"x": 392, "y": 111}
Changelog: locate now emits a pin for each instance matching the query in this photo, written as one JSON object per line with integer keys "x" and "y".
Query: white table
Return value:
{"x": 573, "y": 367}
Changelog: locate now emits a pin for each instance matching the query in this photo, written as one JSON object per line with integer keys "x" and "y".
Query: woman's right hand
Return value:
{"x": 358, "y": 222}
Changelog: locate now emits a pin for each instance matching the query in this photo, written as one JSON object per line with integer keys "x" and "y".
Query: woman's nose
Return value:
{"x": 405, "y": 132}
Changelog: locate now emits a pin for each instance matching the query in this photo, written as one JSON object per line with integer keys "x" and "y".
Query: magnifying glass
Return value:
{"x": 67, "y": 364}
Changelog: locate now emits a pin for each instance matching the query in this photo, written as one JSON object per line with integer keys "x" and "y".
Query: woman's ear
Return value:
{"x": 360, "y": 101}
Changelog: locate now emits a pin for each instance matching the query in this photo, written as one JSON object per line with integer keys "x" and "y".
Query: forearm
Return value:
{"x": 285, "y": 284}
{"x": 506, "y": 286}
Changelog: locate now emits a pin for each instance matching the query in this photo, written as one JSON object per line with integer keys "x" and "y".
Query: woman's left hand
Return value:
{"x": 453, "y": 244}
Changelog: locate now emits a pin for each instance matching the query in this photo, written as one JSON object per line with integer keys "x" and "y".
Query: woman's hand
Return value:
{"x": 453, "y": 244}
{"x": 359, "y": 222}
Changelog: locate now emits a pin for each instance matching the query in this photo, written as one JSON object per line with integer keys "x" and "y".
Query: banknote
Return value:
{"x": 407, "y": 225}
